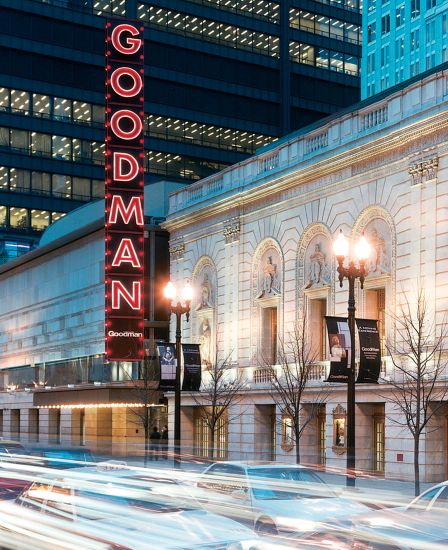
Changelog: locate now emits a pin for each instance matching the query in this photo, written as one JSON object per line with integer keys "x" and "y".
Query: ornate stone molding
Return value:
{"x": 177, "y": 249}
{"x": 424, "y": 171}
{"x": 231, "y": 230}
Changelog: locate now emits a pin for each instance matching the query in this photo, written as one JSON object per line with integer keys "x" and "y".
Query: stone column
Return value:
{"x": 241, "y": 432}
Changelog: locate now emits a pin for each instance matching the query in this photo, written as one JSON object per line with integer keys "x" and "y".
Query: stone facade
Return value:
{"x": 387, "y": 180}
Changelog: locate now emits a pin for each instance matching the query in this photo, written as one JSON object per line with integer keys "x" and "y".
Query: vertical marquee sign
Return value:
{"x": 124, "y": 191}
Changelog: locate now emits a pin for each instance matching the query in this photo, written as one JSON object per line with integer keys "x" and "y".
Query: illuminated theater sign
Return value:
{"x": 124, "y": 218}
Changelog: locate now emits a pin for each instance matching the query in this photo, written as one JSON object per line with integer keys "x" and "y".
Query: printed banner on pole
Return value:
{"x": 339, "y": 346}
{"x": 369, "y": 351}
{"x": 168, "y": 366}
{"x": 192, "y": 367}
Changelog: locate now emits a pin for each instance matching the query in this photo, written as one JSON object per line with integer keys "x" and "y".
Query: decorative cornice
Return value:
{"x": 343, "y": 156}
{"x": 424, "y": 171}
{"x": 177, "y": 249}
{"x": 231, "y": 230}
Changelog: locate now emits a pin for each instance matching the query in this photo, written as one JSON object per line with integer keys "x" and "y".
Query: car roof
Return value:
{"x": 10, "y": 442}
{"x": 254, "y": 464}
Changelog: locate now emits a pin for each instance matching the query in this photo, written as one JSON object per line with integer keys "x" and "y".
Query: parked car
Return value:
{"x": 134, "y": 511}
{"x": 421, "y": 525}
{"x": 275, "y": 499}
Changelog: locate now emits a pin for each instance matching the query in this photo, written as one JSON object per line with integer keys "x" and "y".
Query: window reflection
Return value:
{"x": 2, "y": 216}
{"x": 41, "y": 183}
{"x": 41, "y": 105}
{"x": 18, "y": 217}
{"x": 62, "y": 108}
{"x": 40, "y": 219}
{"x": 20, "y": 101}
{"x": 61, "y": 186}
{"x": 4, "y": 99}
{"x": 19, "y": 180}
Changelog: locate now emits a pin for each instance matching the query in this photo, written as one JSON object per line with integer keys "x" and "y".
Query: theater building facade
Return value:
{"x": 256, "y": 240}
{"x": 56, "y": 387}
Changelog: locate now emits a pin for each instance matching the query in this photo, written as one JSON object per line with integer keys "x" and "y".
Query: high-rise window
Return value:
{"x": 399, "y": 15}
{"x": 415, "y": 8}
{"x": 385, "y": 23}
{"x": 385, "y": 55}
{"x": 371, "y": 32}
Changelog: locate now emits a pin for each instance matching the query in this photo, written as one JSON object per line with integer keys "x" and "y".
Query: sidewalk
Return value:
{"x": 377, "y": 491}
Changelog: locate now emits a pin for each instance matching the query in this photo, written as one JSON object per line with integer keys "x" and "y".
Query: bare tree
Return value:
{"x": 420, "y": 362}
{"x": 297, "y": 359}
{"x": 143, "y": 391}
{"x": 220, "y": 390}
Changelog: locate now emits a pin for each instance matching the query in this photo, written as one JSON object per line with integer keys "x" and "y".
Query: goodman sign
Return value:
{"x": 124, "y": 191}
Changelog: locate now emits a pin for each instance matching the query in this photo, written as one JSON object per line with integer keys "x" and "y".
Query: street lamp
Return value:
{"x": 178, "y": 305}
{"x": 362, "y": 252}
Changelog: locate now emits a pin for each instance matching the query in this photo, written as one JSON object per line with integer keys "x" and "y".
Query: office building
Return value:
{"x": 221, "y": 80}
{"x": 401, "y": 39}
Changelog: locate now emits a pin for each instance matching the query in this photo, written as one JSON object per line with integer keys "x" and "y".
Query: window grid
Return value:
{"x": 51, "y": 107}
{"x": 44, "y": 183}
{"x": 27, "y": 219}
{"x": 204, "y": 134}
{"x": 54, "y": 146}
{"x": 323, "y": 58}
{"x": 259, "y": 9}
{"x": 325, "y": 26}
{"x": 212, "y": 31}
{"x": 177, "y": 166}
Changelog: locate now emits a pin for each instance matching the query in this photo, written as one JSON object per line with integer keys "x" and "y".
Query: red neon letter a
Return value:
{"x": 132, "y": 299}
{"x": 126, "y": 253}
{"x": 134, "y": 208}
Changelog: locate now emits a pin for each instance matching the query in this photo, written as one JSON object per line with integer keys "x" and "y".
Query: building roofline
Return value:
{"x": 354, "y": 107}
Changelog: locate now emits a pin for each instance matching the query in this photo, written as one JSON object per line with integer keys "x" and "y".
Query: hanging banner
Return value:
{"x": 192, "y": 367}
{"x": 339, "y": 346}
{"x": 369, "y": 351}
{"x": 124, "y": 219}
{"x": 168, "y": 366}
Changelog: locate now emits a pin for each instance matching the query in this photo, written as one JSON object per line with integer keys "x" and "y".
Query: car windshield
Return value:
{"x": 286, "y": 484}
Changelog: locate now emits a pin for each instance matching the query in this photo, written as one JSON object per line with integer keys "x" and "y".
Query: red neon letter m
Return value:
{"x": 134, "y": 208}
{"x": 120, "y": 291}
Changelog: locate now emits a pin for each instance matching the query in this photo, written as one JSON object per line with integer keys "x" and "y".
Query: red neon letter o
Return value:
{"x": 136, "y": 120}
{"x": 132, "y": 44}
{"x": 118, "y": 88}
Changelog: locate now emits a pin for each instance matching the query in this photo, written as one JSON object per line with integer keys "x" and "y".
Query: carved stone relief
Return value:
{"x": 377, "y": 232}
{"x": 177, "y": 249}
{"x": 269, "y": 280}
{"x": 317, "y": 264}
{"x": 424, "y": 171}
{"x": 204, "y": 282}
{"x": 231, "y": 230}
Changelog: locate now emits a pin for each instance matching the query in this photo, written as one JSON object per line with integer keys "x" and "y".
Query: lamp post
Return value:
{"x": 351, "y": 273}
{"x": 178, "y": 308}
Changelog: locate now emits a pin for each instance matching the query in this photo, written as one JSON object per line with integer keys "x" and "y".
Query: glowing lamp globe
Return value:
{"x": 169, "y": 291}
{"x": 187, "y": 292}
{"x": 362, "y": 249}
{"x": 340, "y": 246}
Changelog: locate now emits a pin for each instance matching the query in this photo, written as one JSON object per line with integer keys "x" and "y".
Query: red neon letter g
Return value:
{"x": 132, "y": 45}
